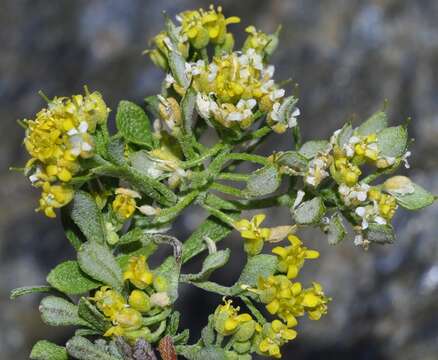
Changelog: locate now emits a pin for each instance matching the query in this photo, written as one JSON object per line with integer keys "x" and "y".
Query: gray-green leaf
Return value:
{"x": 92, "y": 315}
{"x": 336, "y": 230}
{"x": 82, "y": 349}
{"x": 262, "y": 265}
{"x": 393, "y": 141}
{"x": 263, "y": 181}
{"x": 212, "y": 262}
{"x": 377, "y": 122}
{"x": 87, "y": 216}
{"x": 46, "y": 350}
{"x": 292, "y": 160}
{"x": 133, "y": 124}
{"x": 57, "y": 311}
{"x": 29, "y": 290}
{"x": 380, "y": 234}
{"x": 97, "y": 261}
{"x": 311, "y": 148}
{"x": 418, "y": 199}
{"x": 345, "y": 134}
{"x": 178, "y": 66}
{"x": 309, "y": 212}
{"x": 170, "y": 270}
{"x": 68, "y": 278}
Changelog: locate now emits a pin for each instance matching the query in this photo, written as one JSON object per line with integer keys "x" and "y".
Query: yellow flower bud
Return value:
{"x": 140, "y": 301}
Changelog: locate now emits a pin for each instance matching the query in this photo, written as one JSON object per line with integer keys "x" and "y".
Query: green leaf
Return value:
{"x": 116, "y": 152}
{"x": 82, "y": 349}
{"x": 177, "y": 65}
{"x": 263, "y": 181}
{"x": 172, "y": 327}
{"x": 188, "y": 351}
{"x": 418, "y": 199}
{"x": 212, "y": 262}
{"x": 170, "y": 270}
{"x": 57, "y": 311}
{"x": 70, "y": 229}
{"x": 309, "y": 212}
{"x": 92, "y": 315}
{"x": 380, "y": 234}
{"x": 46, "y": 350}
{"x": 336, "y": 230}
{"x": 377, "y": 122}
{"x": 210, "y": 353}
{"x": 133, "y": 124}
{"x": 152, "y": 103}
{"x": 15, "y": 293}
{"x": 262, "y": 265}
{"x": 311, "y": 148}
{"x": 188, "y": 110}
{"x": 212, "y": 228}
{"x": 345, "y": 134}
{"x": 97, "y": 261}
{"x": 68, "y": 278}
{"x": 393, "y": 141}
{"x": 87, "y": 216}
{"x": 292, "y": 161}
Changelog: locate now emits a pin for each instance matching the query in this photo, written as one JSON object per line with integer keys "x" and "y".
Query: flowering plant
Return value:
{"x": 118, "y": 194}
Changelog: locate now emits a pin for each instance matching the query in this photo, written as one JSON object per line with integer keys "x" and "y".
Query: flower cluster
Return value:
{"x": 126, "y": 314}
{"x": 56, "y": 139}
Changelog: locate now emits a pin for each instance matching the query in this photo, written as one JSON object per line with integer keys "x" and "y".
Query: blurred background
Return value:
{"x": 347, "y": 57}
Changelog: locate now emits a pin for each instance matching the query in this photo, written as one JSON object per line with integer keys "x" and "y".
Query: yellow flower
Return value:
{"x": 386, "y": 204}
{"x": 252, "y": 233}
{"x": 126, "y": 320}
{"x": 280, "y": 296}
{"x": 109, "y": 301}
{"x": 140, "y": 301}
{"x": 202, "y": 26}
{"x": 138, "y": 272}
{"x": 53, "y": 197}
{"x": 275, "y": 335}
{"x": 124, "y": 203}
{"x": 227, "y": 318}
{"x": 343, "y": 171}
{"x": 314, "y": 301}
{"x": 256, "y": 40}
{"x": 291, "y": 258}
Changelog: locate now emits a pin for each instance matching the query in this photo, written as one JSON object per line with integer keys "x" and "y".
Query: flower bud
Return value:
{"x": 160, "y": 299}
{"x": 160, "y": 284}
{"x": 140, "y": 301}
{"x": 245, "y": 331}
{"x": 399, "y": 184}
{"x": 242, "y": 347}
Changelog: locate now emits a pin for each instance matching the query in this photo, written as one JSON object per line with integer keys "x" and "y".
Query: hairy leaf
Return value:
{"x": 336, "y": 230}
{"x": 46, "y": 350}
{"x": 57, "y": 311}
{"x": 82, "y": 349}
{"x": 29, "y": 290}
{"x": 311, "y": 148}
{"x": 393, "y": 141}
{"x": 309, "y": 212}
{"x": 92, "y": 315}
{"x": 133, "y": 124}
{"x": 68, "y": 278}
{"x": 263, "y": 181}
{"x": 212, "y": 262}
{"x": 377, "y": 122}
{"x": 419, "y": 199}
{"x": 262, "y": 265}
{"x": 97, "y": 261}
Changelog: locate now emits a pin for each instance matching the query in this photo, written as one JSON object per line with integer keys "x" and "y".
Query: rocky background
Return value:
{"x": 347, "y": 57}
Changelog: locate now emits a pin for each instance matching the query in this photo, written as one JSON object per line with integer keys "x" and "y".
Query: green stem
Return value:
{"x": 257, "y": 314}
{"x": 227, "y": 190}
{"x": 172, "y": 212}
{"x": 147, "y": 321}
{"x": 233, "y": 176}
{"x": 277, "y": 200}
{"x": 205, "y": 155}
{"x": 219, "y": 214}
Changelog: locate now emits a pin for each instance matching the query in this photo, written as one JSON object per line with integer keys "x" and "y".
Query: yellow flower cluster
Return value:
{"x": 291, "y": 258}
{"x": 253, "y": 235}
{"x": 343, "y": 170}
{"x": 227, "y": 319}
{"x": 273, "y": 336}
{"x": 233, "y": 86}
{"x": 55, "y": 139}
{"x": 126, "y": 315}
{"x": 289, "y": 300}
{"x": 203, "y": 27}
{"x": 386, "y": 204}
{"x": 124, "y": 203}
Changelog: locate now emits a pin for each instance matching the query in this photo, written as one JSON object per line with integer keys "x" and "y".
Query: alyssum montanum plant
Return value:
{"x": 117, "y": 196}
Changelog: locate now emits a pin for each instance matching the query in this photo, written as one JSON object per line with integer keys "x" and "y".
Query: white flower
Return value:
{"x": 405, "y": 159}
{"x": 204, "y": 105}
{"x": 298, "y": 199}
{"x": 169, "y": 80}
{"x": 212, "y": 72}
{"x": 148, "y": 210}
{"x": 292, "y": 120}
{"x": 276, "y": 94}
{"x": 78, "y": 141}
{"x": 244, "y": 110}
{"x": 128, "y": 192}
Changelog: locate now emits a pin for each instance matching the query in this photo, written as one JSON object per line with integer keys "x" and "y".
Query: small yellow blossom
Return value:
{"x": 291, "y": 258}
{"x": 314, "y": 301}
{"x": 140, "y": 301}
{"x": 126, "y": 320}
{"x": 252, "y": 233}
{"x": 53, "y": 197}
{"x": 386, "y": 204}
{"x": 227, "y": 318}
{"x": 275, "y": 335}
{"x": 366, "y": 149}
{"x": 124, "y": 203}
{"x": 109, "y": 301}
{"x": 138, "y": 272}
{"x": 280, "y": 296}
{"x": 345, "y": 172}
{"x": 202, "y": 27}
{"x": 257, "y": 40}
